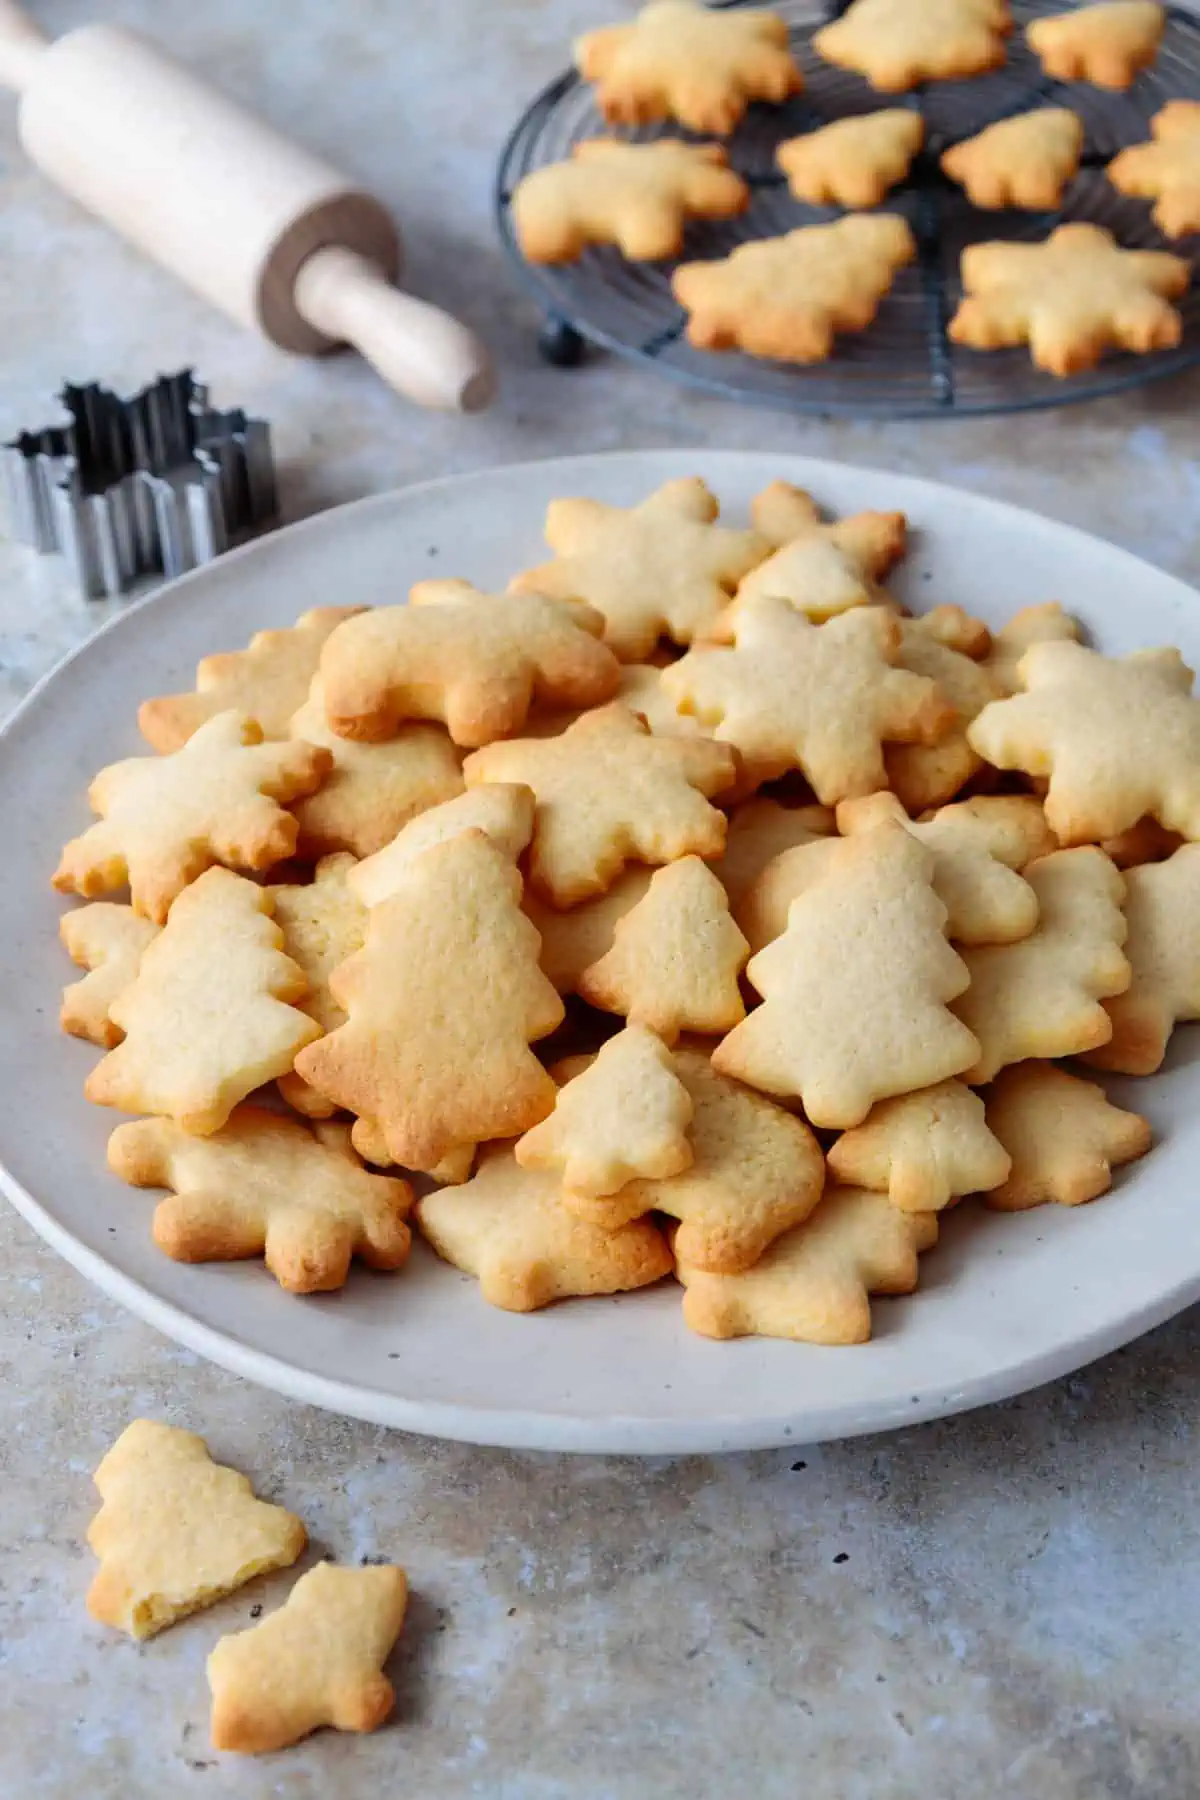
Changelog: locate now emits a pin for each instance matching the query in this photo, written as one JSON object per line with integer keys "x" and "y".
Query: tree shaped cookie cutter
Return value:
{"x": 153, "y": 484}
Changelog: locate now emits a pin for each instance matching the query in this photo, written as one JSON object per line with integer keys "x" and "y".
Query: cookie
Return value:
{"x": 853, "y": 162}
{"x": 317, "y": 1661}
{"x": 1044, "y": 624}
{"x": 977, "y": 850}
{"x": 210, "y": 1015}
{"x": 819, "y": 698}
{"x": 925, "y": 775}
{"x": 923, "y": 1150}
{"x": 675, "y": 958}
{"x": 323, "y": 923}
{"x": 636, "y": 196}
{"x": 1024, "y": 162}
{"x": 1162, "y": 912}
{"x": 442, "y": 1003}
{"x": 1070, "y": 298}
{"x": 608, "y": 793}
{"x": 268, "y": 1186}
{"x": 108, "y": 941}
{"x": 474, "y": 661}
{"x": 509, "y": 1227}
{"x": 1063, "y": 1135}
{"x": 822, "y": 569}
{"x": 898, "y": 44}
{"x": 572, "y": 941}
{"x": 662, "y": 568}
{"x": 165, "y": 819}
{"x": 756, "y": 1171}
{"x": 1138, "y": 710}
{"x": 679, "y": 60}
{"x": 371, "y": 790}
{"x": 266, "y": 682}
{"x": 1167, "y": 170}
{"x": 759, "y": 831}
{"x": 623, "y": 1116}
{"x": 1108, "y": 44}
{"x": 787, "y": 297}
{"x": 813, "y": 1285}
{"x": 502, "y": 811}
{"x": 177, "y": 1531}
{"x": 855, "y": 992}
{"x": 1041, "y": 997}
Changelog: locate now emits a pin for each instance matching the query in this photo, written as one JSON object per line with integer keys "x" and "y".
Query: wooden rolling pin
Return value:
{"x": 260, "y": 227}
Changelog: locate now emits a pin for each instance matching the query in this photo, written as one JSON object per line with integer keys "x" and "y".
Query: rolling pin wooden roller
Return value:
{"x": 254, "y": 223}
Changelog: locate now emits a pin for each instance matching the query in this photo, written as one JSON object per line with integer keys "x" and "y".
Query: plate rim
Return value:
{"x": 520, "y": 1428}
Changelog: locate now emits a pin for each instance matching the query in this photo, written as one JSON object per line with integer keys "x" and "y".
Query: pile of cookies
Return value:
{"x": 688, "y": 908}
{"x": 1070, "y": 298}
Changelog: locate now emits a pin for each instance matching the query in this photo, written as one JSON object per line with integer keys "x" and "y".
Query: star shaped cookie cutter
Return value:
{"x": 153, "y": 484}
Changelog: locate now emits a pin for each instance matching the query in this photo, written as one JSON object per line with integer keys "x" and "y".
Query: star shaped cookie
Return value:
{"x": 1166, "y": 171}
{"x": 898, "y": 44}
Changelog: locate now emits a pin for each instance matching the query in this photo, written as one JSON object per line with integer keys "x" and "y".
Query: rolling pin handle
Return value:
{"x": 419, "y": 350}
{"x": 22, "y": 46}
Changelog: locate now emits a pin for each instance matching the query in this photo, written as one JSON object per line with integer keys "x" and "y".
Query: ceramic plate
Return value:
{"x": 1005, "y": 1301}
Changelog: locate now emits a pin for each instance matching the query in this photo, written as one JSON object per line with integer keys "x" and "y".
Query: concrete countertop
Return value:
{"x": 1002, "y": 1604}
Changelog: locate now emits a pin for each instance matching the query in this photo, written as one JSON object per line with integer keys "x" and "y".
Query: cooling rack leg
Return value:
{"x": 560, "y": 344}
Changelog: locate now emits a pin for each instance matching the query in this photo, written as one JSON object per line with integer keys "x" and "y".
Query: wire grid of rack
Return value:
{"x": 904, "y": 365}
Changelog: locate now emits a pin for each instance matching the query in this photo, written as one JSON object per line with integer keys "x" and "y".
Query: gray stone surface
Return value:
{"x": 1004, "y": 1604}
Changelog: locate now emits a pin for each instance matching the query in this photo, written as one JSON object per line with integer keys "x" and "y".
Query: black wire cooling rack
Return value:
{"x": 904, "y": 366}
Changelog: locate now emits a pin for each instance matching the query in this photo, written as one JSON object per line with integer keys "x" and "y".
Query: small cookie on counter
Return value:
{"x": 317, "y": 1661}
{"x": 177, "y": 1531}
{"x": 662, "y": 568}
{"x": 788, "y": 297}
{"x": 265, "y": 1185}
{"x": 1108, "y": 44}
{"x": 267, "y": 682}
{"x": 1024, "y": 162}
{"x": 1042, "y": 997}
{"x": 107, "y": 939}
{"x": 621, "y": 1116}
{"x": 211, "y": 1014}
{"x": 1139, "y": 707}
{"x": 165, "y": 819}
{"x": 1070, "y": 298}
{"x": 511, "y": 1228}
{"x": 898, "y": 44}
{"x": 923, "y": 1150}
{"x": 756, "y": 1171}
{"x": 853, "y": 162}
{"x": 788, "y": 694}
{"x": 636, "y": 196}
{"x": 1166, "y": 171}
{"x": 1162, "y": 912}
{"x": 609, "y": 793}
{"x": 442, "y": 1004}
{"x": 814, "y": 1284}
{"x": 682, "y": 60}
{"x": 1064, "y": 1136}
{"x": 856, "y": 991}
{"x": 474, "y": 661}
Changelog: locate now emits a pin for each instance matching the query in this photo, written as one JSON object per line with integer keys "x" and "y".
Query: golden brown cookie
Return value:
{"x": 898, "y": 44}
{"x": 1162, "y": 912}
{"x": 787, "y": 297}
{"x": 1167, "y": 170}
{"x": 759, "y": 831}
{"x": 1045, "y": 624}
{"x": 609, "y": 793}
{"x": 1023, "y": 162}
{"x": 1070, "y": 298}
{"x": 1108, "y": 44}
{"x": 823, "y": 569}
{"x": 925, "y": 775}
{"x": 923, "y": 1150}
{"x": 682, "y": 60}
{"x": 502, "y": 811}
{"x": 108, "y": 941}
{"x": 662, "y": 568}
{"x": 323, "y": 923}
{"x": 854, "y": 161}
{"x": 572, "y": 941}
{"x": 637, "y": 196}
{"x": 1063, "y": 1134}
{"x": 265, "y": 1185}
{"x": 165, "y": 819}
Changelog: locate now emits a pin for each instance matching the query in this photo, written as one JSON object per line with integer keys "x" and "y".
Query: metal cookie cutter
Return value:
{"x": 153, "y": 484}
